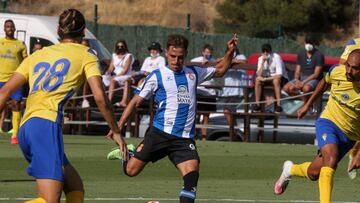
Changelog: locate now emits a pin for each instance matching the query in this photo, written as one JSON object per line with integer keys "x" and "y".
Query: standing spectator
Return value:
{"x": 308, "y": 70}
{"x": 173, "y": 129}
{"x": 151, "y": 63}
{"x": 12, "y": 53}
{"x": 206, "y": 94}
{"x": 233, "y": 78}
{"x": 121, "y": 65}
{"x": 270, "y": 71}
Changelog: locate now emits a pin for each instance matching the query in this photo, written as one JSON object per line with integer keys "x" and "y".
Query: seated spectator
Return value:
{"x": 270, "y": 71}
{"x": 120, "y": 66}
{"x": 308, "y": 70}
{"x": 153, "y": 62}
{"x": 206, "y": 94}
{"x": 233, "y": 78}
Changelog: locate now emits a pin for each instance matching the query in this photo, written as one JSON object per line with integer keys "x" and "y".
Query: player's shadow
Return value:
{"x": 17, "y": 180}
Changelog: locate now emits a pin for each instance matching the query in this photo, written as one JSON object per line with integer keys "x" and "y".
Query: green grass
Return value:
{"x": 238, "y": 171}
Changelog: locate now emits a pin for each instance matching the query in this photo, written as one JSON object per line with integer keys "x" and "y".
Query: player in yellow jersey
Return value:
{"x": 337, "y": 129}
{"x": 12, "y": 53}
{"x": 351, "y": 45}
{"x": 54, "y": 74}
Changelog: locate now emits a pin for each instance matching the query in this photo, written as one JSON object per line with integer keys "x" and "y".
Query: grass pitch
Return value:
{"x": 229, "y": 172}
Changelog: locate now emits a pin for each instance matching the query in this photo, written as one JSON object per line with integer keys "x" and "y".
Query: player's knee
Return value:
{"x": 131, "y": 171}
{"x": 313, "y": 174}
{"x": 188, "y": 193}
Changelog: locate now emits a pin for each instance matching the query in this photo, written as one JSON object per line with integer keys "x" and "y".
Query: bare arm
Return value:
{"x": 135, "y": 102}
{"x": 15, "y": 82}
{"x": 111, "y": 67}
{"x": 105, "y": 107}
{"x": 320, "y": 89}
{"x": 297, "y": 72}
{"x": 223, "y": 66}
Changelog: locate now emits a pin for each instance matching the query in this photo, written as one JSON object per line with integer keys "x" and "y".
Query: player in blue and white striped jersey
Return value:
{"x": 172, "y": 132}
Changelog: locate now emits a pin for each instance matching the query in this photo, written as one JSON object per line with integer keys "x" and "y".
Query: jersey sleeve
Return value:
{"x": 24, "y": 51}
{"x": 147, "y": 89}
{"x": 91, "y": 65}
{"x": 328, "y": 76}
{"x": 24, "y": 69}
{"x": 204, "y": 74}
{"x": 279, "y": 65}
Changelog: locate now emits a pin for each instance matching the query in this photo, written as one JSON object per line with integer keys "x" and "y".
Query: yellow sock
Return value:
{"x": 75, "y": 197}
{"x": 326, "y": 184}
{"x": 300, "y": 170}
{"x": 37, "y": 200}
{"x": 15, "y": 122}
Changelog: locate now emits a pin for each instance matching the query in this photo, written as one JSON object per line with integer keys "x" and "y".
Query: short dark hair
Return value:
{"x": 177, "y": 41}
{"x": 9, "y": 21}
{"x": 208, "y": 46}
{"x": 266, "y": 48}
{"x": 309, "y": 39}
{"x": 71, "y": 24}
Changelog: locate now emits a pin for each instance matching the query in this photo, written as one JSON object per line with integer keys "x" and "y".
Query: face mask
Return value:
{"x": 154, "y": 55}
{"x": 309, "y": 47}
{"x": 267, "y": 56}
{"x": 120, "y": 50}
{"x": 208, "y": 57}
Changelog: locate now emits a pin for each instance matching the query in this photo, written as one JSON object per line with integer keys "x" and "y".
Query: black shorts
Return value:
{"x": 158, "y": 144}
{"x": 206, "y": 107}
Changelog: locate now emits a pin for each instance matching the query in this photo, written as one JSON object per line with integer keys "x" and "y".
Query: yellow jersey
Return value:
{"x": 352, "y": 45}
{"x": 12, "y": 53}
{"x": 54, "y": 74}
{"x": 343, "y": 107}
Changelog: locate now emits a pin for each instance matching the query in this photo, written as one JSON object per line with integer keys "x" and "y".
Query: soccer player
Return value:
{"x": 54, "y": 74}
{"x": 172, "y": 132}
{"x": 352, "y": 45}
{"x": 12, "y": 53}
{"x": 337, "y": 129}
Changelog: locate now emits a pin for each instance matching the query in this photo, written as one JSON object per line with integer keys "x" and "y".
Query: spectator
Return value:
{"x": 233, "y": 78}
{"x": 270, "y": 71}
{"x": 307, "y": 71}
{"x": 206, "y": 94}
{"x": 121, "y": 66}
{"x": 153, "y": 62}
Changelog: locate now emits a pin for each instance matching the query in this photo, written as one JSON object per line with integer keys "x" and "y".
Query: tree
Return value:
{"x": 266, "y": 17}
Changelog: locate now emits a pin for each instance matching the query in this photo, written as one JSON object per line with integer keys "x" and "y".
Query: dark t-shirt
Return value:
{"x": 308, "y": 64}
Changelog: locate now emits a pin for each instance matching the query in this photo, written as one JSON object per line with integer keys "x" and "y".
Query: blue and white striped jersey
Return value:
{"x": 175, "y": 94}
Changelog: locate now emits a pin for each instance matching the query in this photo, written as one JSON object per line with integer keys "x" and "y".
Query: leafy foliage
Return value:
{"x": 268, "y": 18}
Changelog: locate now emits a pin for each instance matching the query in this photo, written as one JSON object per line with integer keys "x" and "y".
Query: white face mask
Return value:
{"x": 309, "y": 47}
{"x": 154, "y": 55}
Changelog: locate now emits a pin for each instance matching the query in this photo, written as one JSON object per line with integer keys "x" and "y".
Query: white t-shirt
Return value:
{"x": 150, "y": 64}
{"x": 119, "y": 63}
{"x": 233, "y": 78}
{"x": 201, "y": 90}
{"x": 273, "y": 66}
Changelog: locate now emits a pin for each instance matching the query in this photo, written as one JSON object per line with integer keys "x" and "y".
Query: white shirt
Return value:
{"x": 119, "y": 63}
{"x": 175, "y": 94}
{"x": 201, "y": 89}
{"x": 273, "y": 66}
{"x": 234, "y": 78}
{"x": 150, "y": 64}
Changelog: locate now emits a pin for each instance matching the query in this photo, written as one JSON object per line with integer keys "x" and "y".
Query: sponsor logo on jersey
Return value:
{"x": 324, "y": 136}
{"x": 183, "y": 96}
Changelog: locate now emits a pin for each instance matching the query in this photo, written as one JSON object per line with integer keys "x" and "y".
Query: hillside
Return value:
{"x": 168, "y": 13}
